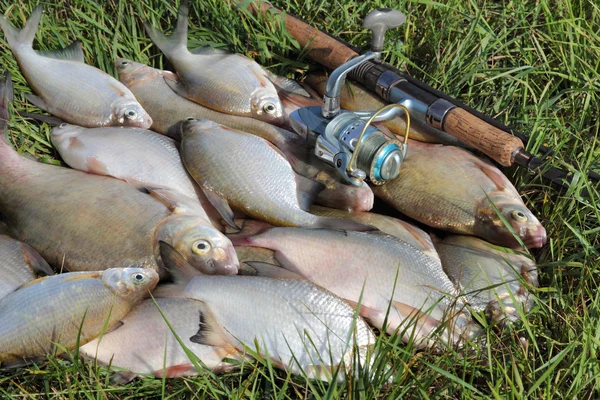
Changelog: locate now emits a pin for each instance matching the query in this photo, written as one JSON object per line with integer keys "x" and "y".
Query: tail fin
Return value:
{"x": 177, "y": 39}
{"x": 23, "y": 37}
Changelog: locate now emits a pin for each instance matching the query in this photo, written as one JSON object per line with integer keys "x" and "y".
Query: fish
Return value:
{"x": 169, "y": 109}
{"x": 495, "y": 280}
{"x": 84, "y": 222}
{"x": 355, "y": 97}
{"x": 59, "y": 312}
{"x": 67, "y": 87}
{"x": 247, "y": 172}
{"x": 19, "y": 264}
{"x": 404, "y": 230}
{"x": 157, "y": 351}
{"x": 226, "y": 82}
{"x": 399, "y": 288}
{"x": 297, "y": 325}
{"x": 138, "y": 156}
{"x": 449, "y": 188}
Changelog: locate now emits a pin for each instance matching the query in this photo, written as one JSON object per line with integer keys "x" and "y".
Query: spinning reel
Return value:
{"x": 346, "y": 139}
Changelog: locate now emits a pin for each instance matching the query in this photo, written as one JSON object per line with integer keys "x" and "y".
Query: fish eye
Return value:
{"x": 124, "y": 63}
{"x": 201, "y": 247}
{"x": 138, "y": 278}
{"x": 518, "y": 215}
{"x": 130, "y": 114}
{"x": 269, "y": 108}
{"x": 63, "y": 125}
{"x": 190, "y": 119}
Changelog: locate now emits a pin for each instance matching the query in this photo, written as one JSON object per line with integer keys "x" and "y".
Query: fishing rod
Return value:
{"x": 437, "y": 110}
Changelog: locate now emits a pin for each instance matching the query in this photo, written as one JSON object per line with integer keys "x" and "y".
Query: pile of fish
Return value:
{"x": 193, "y": 179}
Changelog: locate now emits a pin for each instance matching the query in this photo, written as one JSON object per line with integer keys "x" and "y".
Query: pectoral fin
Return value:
{"x": 222, "y": 207}
{"x": 37, "y": 101}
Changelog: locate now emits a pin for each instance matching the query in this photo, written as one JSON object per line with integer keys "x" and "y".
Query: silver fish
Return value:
{"x": 67, "y": 87}
{"x": 237, "y": 168}
{"x": 68, "y": 309}
{"x": 449, "y": 188}
{"x": 298, "y": 325}
{"x": 19, "y": 264}
{"x": 494, "y": 279}
{"x": 399, "y": 288}
{"x": 137, "y": 156}
{"x": 157, "y": 351}
{"x": 230, "y": 83}
{"x": 85, "y": 222}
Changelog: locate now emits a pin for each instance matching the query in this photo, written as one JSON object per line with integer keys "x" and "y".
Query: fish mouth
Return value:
{"x": 535, "y": 238}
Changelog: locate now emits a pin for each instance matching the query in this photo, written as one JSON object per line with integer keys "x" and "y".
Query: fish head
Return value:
{"x": 133, "y": 283}
{"x": 490, "y": 225}
{"x": 207, "y": 250}
{"x": 131, "y": 71}
{"x": 128, "y": 112}
{"x": 266, "y": 106}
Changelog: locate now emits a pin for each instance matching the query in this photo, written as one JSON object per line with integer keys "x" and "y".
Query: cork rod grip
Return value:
{"x": 321, "y": 48}
{"x": 486, "y": 138}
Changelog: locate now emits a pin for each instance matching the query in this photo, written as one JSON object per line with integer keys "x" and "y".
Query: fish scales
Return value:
{"x": 299, "y": 309}
{"x": 248, "y": 172}
{"x": 449, "y": 188}
{"x": 51, "y": 310}
{"x": 69, "y": 88}
{"x": 19, "y": 264}
{"x": 157, "y": 351}
{"x": 138, "y": 156}
{"x": 79, "y": 208}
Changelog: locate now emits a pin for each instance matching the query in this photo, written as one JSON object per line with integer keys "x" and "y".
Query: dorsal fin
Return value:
{"x": 73, "y": 52}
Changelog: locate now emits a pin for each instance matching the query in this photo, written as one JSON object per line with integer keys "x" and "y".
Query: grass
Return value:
{"x": 533, "y": 65}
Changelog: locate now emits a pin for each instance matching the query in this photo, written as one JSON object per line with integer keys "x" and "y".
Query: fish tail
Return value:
{"x": 23, "y": 37}
{"x": 178, "y": 39}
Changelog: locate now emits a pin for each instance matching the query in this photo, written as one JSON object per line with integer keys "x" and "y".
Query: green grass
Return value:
{"x": 532, "y": 65}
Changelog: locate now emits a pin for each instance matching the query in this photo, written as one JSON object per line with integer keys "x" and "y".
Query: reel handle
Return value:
{"x": 379, "y": 21}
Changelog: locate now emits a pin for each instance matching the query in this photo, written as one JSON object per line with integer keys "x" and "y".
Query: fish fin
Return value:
{"x": 209, "y": 50}
{"x": 272, "y": 270}
{"x": 49, "y": 119}
{"x": 287, "y": 85}
{"x": 122, "y": 377}
{"x": 177, "y": 86}
{"x": 94, "y": 165}
{"x": 73, "y": 52}
{"x": 177, "y": 202}
{"x": 343, "y": 225}
{"x": 37, "y": 101}
{"x": 178, "y": 266}
{"x": 495, "y": 175}
{"x": 6, "y": 97}
{"x": 175, "y": 371}
{"x": 222, "y": 207}
{"x": 210, "y": 331}
{"x": 25, "y": 36}
{"x": 249, "y": 228}
{"x": 38, "y": 265}
{"x": 307, "y": 191}
{"x": 424, "y": 320}
{"x": 293, "y": 101}
{"x": 177, "y": 39}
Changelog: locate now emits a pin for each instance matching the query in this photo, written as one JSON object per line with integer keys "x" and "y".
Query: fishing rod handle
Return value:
{"x": 486, "y": 138}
